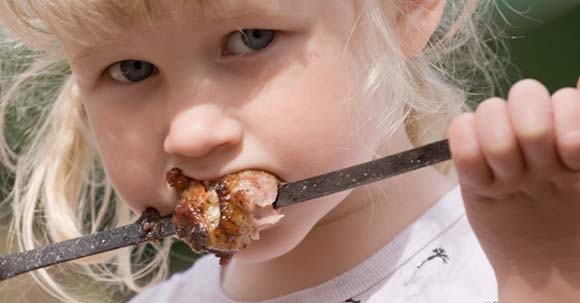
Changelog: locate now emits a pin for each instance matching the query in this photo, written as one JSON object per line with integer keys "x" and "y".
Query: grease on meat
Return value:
{"x": 225, "y": 215}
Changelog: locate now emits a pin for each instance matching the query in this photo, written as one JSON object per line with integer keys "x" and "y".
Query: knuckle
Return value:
{"x": 459, "y": 122}
{"x": 464, "y": 117}
{"x": 466, "y": 156}
{"x": 528, "y": 84}
{"x": 534, "y": 128}
{"x": 528, "y": 87}
{"x": 465, "y": 149}
{"x": 498, "y": 141}
{"x": 500, "y": 148}
{"x": 569, "y": 148}
{"x": 567, "y": 93}
{"x": 535, "y": 134}
{"x": 490, "y": 104}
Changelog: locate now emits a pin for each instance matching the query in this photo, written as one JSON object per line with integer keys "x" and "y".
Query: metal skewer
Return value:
{"x": 147, "y": 229}
{"x": 362, "y": 174}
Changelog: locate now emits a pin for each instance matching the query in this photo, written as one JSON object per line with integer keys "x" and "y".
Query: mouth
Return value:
{"x": 207, "y": 178}
{"x": 223, "y": 215}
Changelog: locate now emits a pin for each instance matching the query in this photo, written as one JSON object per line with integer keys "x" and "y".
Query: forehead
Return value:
{"x": 224, "y": 9}
{"x": 106, "y": 24}
{"x": 84, "y": 22}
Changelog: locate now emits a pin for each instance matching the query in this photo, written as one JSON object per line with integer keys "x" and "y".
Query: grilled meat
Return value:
{"x": 225, "y": 215}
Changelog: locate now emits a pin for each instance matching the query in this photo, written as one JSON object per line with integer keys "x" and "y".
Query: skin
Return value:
{"x": 286, "y": 109}
{"x": 519, "y": 164}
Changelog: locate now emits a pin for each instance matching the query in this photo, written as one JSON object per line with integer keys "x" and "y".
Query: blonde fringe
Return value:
{"x": 60, "y": 191}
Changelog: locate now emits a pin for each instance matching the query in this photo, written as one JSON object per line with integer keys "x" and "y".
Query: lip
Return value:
{"x": 207, "y": 177}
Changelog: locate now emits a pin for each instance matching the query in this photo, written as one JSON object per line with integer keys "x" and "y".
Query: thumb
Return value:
{"x": 578, "y": 84}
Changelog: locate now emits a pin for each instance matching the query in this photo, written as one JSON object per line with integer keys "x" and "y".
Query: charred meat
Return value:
{"x": 225, "y": 215}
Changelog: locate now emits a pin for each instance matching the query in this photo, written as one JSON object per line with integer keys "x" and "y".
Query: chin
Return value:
{"x": 273, "y": 243}
{"x": 287, "y": 234}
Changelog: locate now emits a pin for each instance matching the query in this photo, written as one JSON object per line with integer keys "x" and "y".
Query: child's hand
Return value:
{"x": 519, "y": 168}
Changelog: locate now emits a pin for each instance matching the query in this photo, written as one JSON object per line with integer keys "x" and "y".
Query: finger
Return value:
{"x": 498, "y": 141}
{"x": 567, "y": 123}
{"x": 531, "y": 114}
{"x": 466, "y": 152}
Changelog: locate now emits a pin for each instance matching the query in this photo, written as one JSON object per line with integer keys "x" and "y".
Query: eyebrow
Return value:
{"x": 214, "y": 13}
{"x": 220, "y": 12}
{"x": 86, "y": 51}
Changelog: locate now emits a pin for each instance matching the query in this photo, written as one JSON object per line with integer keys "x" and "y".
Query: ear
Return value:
{"x": 417, "y": 22}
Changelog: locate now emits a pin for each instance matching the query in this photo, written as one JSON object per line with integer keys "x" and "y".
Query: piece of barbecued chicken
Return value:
{"x": 225, "y": 215}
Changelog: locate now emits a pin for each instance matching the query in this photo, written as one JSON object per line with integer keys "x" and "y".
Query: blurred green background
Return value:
{"x": 544, "y": 40}
{"x": 543, "y": 37}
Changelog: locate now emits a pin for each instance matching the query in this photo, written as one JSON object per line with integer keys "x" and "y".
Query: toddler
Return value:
{"x": 296, "y": 88}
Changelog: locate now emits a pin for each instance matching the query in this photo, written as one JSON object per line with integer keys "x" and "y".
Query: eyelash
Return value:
{"x": 116, "y": 73}
{"x": 244, "y": 34}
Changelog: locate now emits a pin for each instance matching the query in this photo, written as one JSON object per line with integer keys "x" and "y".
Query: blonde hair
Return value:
{"x": 60, "y": 190}
{"x": 457, "y": 68}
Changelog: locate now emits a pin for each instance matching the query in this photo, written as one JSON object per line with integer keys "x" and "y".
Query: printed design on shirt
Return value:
{"x": 437, "y": 253}
{"x": 351, "y": 300}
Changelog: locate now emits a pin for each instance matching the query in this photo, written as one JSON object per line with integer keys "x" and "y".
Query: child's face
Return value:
{"x": 211, "y": 102}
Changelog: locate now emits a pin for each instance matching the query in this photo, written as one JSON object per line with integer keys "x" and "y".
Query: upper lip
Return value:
{"x": 201, "y": 176}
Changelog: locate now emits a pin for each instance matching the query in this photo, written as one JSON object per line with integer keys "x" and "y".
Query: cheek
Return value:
{"x": 306, "y": 116}
{"x": 130, "y": 155}
{"x": 140, "y": 184}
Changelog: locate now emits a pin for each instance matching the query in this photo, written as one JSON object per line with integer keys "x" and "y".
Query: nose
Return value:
{"x": 197, "y": 131}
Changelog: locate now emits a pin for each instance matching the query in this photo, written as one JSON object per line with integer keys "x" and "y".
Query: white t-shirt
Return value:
{"x": 435, "y": 259}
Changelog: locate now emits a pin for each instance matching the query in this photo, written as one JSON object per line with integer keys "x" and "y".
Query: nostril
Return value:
{"x": 189, "y": 145}
{"x": 167, "y": 146}
{"x": 231, "y": 132}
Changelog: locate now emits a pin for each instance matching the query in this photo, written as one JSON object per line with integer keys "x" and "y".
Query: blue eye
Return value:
{"x": 248, "y": 41}
{"x": 129, "y": 71}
